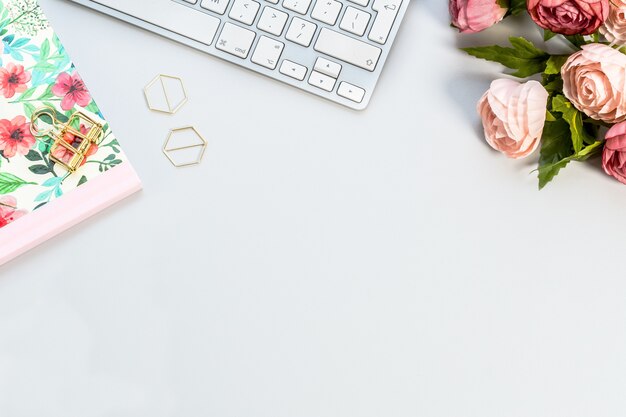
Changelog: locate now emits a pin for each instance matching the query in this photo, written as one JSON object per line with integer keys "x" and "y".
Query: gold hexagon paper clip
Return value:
{"x": 198, "y": 142}
{"x": 172, "y": 103}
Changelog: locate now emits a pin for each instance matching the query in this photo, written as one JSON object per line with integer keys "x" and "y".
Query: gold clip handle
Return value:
{"x": 37, "y": 115}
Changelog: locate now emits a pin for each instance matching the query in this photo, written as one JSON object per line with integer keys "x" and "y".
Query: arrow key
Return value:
{"x": 351, "y": 92}
{"x": 322, "y": 81}
{"x": 330, "y": 68}
{"x": 293, "y": 70}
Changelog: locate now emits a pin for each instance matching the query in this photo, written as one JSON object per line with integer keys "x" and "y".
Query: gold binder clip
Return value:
{"x": 71, "y": 140}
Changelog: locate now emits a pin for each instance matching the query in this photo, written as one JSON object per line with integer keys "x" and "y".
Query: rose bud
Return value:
{"x": 593, "y": 81}
{"x": 569, "y": 17}
{"x": 471, "y": 16}
{"x": 513, "y": 116}
{"x": 614, "y": 154}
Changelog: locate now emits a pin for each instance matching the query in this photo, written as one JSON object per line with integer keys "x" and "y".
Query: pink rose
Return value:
{"x": 614, "y": 27}
{"x": 593, "y": 80}
{"x": 614, "y": 154}
{"x": 513, "y": 116}
{"x": 569, "y": 17}
{"x": 471, "y": 16}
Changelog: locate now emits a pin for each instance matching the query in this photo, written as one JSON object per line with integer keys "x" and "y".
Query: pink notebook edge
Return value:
{"x": 74, "y": 207}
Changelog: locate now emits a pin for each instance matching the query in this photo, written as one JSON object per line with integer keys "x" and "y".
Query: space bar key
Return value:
{"x": 348, "y": 49}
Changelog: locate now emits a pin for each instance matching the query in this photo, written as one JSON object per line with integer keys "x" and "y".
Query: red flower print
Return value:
{"x": 66, "y": 155}
{"x": 8, "y": 210}
{"x": 15, "y": 137}
{"x": 13, "y": 79}
{"x": 72, "y": 89}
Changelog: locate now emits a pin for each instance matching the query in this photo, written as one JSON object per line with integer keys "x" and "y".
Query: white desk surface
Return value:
{"x": 321, "y": 262}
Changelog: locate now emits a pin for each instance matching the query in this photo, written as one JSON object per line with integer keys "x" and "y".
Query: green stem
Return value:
{"x": 31, "y": 100}
{"x": 49, "y": 164}
{"x": 23, "y": 14}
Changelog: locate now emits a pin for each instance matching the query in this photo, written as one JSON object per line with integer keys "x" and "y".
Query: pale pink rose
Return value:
{"x": 513, "y": 116}
{"x": 614, "y": 154}
{"x": 594, "y": 81}
{"x": 471, "y": 16}
{"x": 614, "y": 27}
{"x": 569, "y": 17}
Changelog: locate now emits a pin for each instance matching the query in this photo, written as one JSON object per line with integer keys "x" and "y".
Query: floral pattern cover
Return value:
{"x": 35, "y": 71}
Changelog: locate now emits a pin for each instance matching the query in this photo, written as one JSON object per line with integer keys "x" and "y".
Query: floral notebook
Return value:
{"x": 59, "y": 160}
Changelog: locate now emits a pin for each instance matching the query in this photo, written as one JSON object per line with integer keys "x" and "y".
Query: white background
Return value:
{"x": 321, "y": 262}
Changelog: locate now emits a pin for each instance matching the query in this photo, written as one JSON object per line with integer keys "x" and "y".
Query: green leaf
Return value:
{"x": 589, "y": 151}
{"x": 45, "y": 67}
{"x": 555, "y": 149}
{"x": 28, "y": 94}
{"x": 523, "y": 57}
{"x": 574, "y": 119}
{"x": 45, "y": 50}
{"x": 82, "y": 180}
{"x": 39, "y": 169}
{"x": 47, "y": 94}
{"x": 44, "y": 145}
{"x": 554, "y": 64}
{"x": 554, "y": 85}
{"x": 92, "y": 107}
{"x": 29, "y": 109}
{"x": 10, "y": 183}
{"x": 517, "y": 7}
{"x": 33, "y": 156}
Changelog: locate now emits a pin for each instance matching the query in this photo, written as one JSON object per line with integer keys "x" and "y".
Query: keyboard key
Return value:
{"x": 387, "y": 12}
{"x": 272, "y": 21}
{"x": 267, "y": 52}
{"x": 298, "y": 6}
{"x": 326, "y": 11}
{"x": 301, "y": 31}
{"x": 322, "y": 81}
{"x": 293, "y": 70}
{"x": 355, "y": 21}
{"x": 235, "y": 40}
{"x": 173, "y": 17}
{"x": 347, "y": 49}
{"x": 360, "y": 2}
{"x": 351, "y": 92}
{"x": 272, "y": 1}
{"x": 330, "y": 68}
{"x": 244, "y": 11}
{"x": 216, "y": 6}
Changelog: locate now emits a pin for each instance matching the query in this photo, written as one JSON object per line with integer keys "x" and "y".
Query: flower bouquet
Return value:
{"x": 571, "y": 106}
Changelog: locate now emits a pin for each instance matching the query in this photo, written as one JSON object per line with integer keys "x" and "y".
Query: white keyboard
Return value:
{"x": 335, "y": 49}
